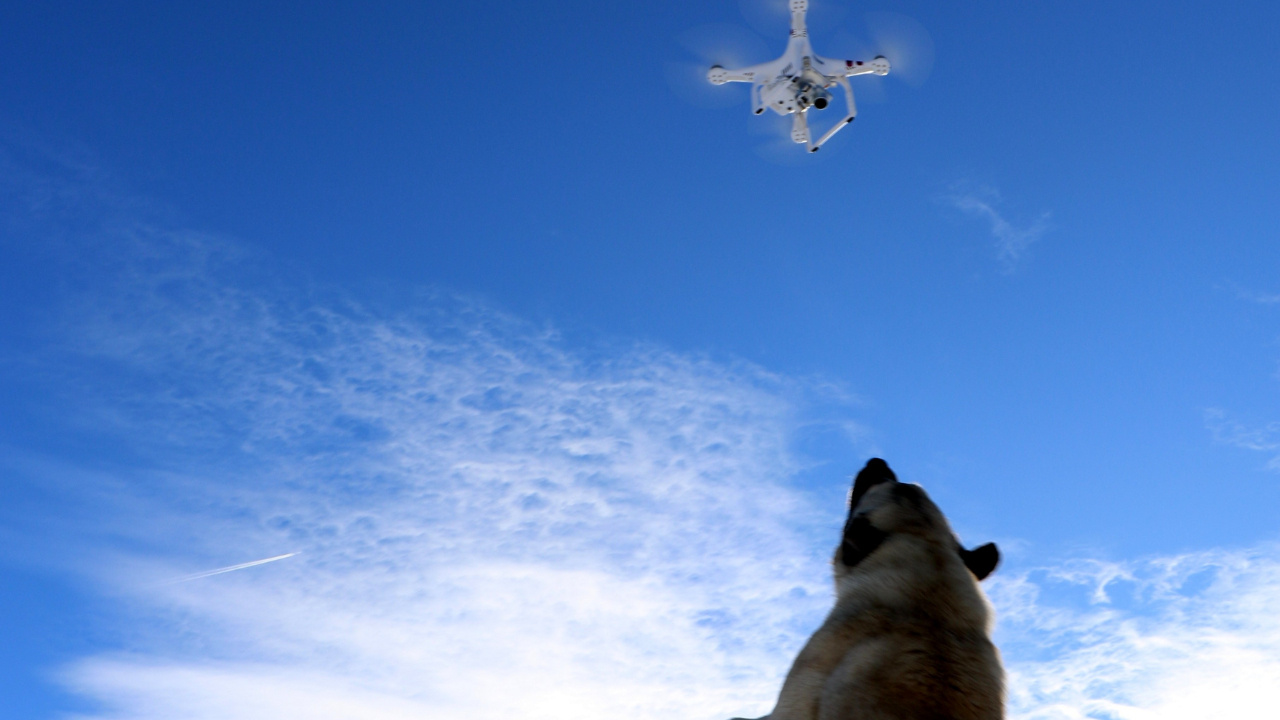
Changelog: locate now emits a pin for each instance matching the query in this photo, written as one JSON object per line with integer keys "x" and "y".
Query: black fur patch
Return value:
{"x": 861, "y": 538}
{"x": 981, "y": 561}
{"x": 876, "y": 471}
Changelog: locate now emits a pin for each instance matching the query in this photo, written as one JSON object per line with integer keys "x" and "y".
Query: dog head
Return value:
{"x": 880, "y": 506}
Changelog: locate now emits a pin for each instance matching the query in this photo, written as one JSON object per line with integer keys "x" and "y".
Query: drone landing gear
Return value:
{"x": 800, "y": 122}
{"x": 827, "y": 135}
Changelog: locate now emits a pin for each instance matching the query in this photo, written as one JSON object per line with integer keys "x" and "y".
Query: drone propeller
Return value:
{"x": 899, "y": 38}
{"x": 717, "y": 44}
{"x": 772, "y": 142}
{"x": 905, "y": 43}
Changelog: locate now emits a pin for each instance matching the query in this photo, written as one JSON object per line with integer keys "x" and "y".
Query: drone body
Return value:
{"x": 800, "y": 80}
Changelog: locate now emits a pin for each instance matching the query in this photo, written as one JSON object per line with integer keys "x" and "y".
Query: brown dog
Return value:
{"x": 909, "y": 636}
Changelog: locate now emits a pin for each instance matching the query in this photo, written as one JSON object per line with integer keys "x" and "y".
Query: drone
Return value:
{"x": 801, "y": 80}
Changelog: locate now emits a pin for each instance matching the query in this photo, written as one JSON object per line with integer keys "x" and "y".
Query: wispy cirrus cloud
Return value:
{"x": 1261, "y": 438}
{"x": 1185, "y": 636}
{"x": 487, "y": 525}
{"x": 1261, "y": 298}
{"x": 492, "y": 525}
{"x": 1254, "y": 296}
{"x": 1011, "y": 240}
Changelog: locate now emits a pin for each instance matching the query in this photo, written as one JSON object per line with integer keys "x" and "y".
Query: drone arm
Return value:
{"x": 798, "y": 9}
{"x": 718, "y": 75}
{"x": 878, "y": 66}
{"x": 852, "y": 113}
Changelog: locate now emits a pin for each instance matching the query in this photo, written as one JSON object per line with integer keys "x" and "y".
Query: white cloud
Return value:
{"x": 1188, "y": 636}
{"x": 1265, "y": 437}
{"x": 492, "y": 526}
{"x": 1261, "y": 438}
{"x": 1011, "y": 240}
{"x": 1253, "y": 296}
{"x": 488, "y": 526}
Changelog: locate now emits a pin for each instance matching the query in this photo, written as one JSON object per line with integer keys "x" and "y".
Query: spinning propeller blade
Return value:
{"x": 905, "y": 43}
{"x": 729, "y": 46}
{"x": 771, "y": 142}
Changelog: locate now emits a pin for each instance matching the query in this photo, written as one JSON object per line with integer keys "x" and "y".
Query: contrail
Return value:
{"x": 229, "y": 568}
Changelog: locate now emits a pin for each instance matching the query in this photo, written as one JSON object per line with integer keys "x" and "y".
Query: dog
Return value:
{"x": 909, "y": 637}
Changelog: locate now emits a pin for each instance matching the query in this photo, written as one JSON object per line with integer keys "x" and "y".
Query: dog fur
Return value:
{"x": 909, "y": 636}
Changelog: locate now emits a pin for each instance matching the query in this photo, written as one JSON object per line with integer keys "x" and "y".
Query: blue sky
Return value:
{"x": 555, "y": 379}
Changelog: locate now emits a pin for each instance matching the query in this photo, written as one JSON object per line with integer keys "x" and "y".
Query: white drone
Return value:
{"x": 800, "y": 80}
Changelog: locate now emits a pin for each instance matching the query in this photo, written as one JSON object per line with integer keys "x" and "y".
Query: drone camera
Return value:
{"x": 813, "y": 96}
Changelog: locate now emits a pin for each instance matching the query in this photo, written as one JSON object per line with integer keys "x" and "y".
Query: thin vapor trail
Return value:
{"x": 229, "y": 568}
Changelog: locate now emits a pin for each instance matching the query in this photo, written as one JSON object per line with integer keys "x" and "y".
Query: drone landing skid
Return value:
{"x": 800, "y": 125}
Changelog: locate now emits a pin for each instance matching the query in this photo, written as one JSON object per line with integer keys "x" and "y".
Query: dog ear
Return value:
{"x": 981, "y": 561}
{"x": 861, "y": 538}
